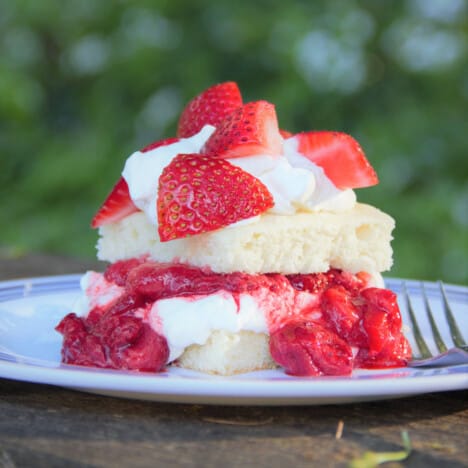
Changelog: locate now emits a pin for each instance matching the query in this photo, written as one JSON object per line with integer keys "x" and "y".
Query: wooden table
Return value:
{"x": 45, "y": 426}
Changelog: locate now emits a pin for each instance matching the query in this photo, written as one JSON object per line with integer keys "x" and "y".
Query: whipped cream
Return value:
{"x": 295, "y": 182}
{"x": 201, "y": 316}
{"x": 142, "y": 170}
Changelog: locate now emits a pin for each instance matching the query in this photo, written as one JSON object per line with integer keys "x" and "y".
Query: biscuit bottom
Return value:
{"x": 227, "y": 353}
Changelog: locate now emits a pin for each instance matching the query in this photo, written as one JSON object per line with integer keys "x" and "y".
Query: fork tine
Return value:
{"x": 435, "y": 331}
{"x": 454, "y": 330}
{"x": 423, "y": 349}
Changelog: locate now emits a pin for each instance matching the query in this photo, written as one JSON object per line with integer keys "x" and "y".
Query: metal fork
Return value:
{"x": 447, "y": 354}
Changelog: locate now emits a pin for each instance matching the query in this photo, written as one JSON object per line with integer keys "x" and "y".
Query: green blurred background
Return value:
{"x": 83, "y": 83}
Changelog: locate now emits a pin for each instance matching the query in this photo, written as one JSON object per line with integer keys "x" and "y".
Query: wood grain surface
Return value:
{"x": 46, "y": 426}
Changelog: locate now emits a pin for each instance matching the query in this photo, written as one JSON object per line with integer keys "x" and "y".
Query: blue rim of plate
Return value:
{"x": 261, "y": 388}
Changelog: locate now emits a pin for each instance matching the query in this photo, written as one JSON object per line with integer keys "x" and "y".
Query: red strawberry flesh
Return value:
{"x": 308, "y": 348}
{"x": 116, "y": 206}
{"x": 115, "y": 340}
{"x": 249, "y": 130}
{"x": 157, "y": 144}
{"x": 285, "y": 133}
{"x": 209, "y": 108}
{"x": 118, "y": 203}
{"x": 197, "y": 194}
{"x": 340, "y": 156}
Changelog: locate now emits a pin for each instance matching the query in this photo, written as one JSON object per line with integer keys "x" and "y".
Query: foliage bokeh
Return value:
{"x": 84, "y": 83}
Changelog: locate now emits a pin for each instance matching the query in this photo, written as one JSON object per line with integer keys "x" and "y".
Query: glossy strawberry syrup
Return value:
{"x": 319, "y": 324}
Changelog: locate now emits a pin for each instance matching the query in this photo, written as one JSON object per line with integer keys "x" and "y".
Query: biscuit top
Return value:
{"x": 355, "y": 240}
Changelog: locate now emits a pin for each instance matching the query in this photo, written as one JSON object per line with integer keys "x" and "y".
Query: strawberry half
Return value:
{"x": 157, "y": 144}
{"x": 210, "y": 107}
{"x": 285, "y": 134}
{"x": 250, "y": 129}
{"x": 117, "y": 205}
{"x": 199, "y": 194}
{"x": 340, "y": 156}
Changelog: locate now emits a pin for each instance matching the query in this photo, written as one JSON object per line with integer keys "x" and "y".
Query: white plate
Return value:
{"x": 30, "y": 351}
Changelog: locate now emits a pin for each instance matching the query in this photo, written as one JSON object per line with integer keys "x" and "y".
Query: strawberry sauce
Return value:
{"x": 319, "y": 324}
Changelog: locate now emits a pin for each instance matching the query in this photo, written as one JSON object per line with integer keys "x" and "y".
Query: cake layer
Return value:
{"x": 228, "y": 353}
{"x": 355, "y": 240}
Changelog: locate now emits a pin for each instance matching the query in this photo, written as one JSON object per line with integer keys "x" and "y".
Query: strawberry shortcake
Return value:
{"x": 238, "y": 246}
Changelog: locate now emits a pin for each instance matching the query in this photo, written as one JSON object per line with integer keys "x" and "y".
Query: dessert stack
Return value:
{"x": 236, "y": 246}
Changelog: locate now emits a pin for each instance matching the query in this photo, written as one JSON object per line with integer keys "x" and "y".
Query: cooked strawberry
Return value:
{"x": 384, "y": 300}
{"x": 395, "y": 353}
{"x": 376, "y": 326}
{"x": 343, "y": 315}
{"x": 307, "y": 348}
{"x": 198, "y": 194}
{"x": 340, "y": 156}
{"x": 319, "y": 282}
{"x": 250, "y": 129}
{"x": 118, "y": 271}
{"x": 114, "y": 340}
{"x": 157, "y": 144}
{"x": 116, "y": 206}
{"x": 209, "y": 107}
{"x": 387, "y": 346}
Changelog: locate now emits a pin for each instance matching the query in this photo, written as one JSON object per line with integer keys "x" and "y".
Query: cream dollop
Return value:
{"x": 142, "y": 170}
{"x": 203, "y": 315}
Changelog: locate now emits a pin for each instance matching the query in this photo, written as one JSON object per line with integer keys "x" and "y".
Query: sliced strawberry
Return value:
{"x": 250, "y": 129}
{"x": 340, "y": 156}
{"x": 118, "y": 203}
{"x": 198, "y": 194}
{"x": 285, "y": 134}
{"x": 209, "y": 107}
{"x": 157, "y": 144}
{"x": 116, "y": 206}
